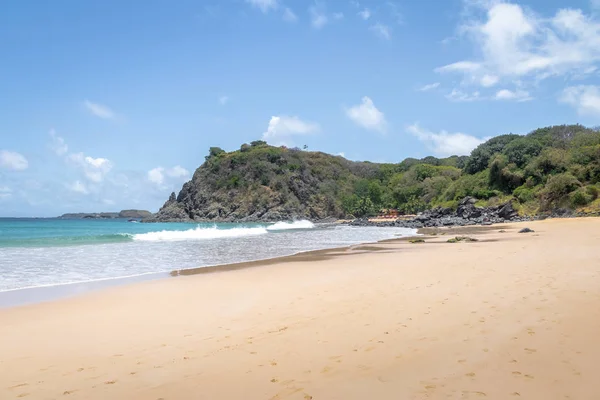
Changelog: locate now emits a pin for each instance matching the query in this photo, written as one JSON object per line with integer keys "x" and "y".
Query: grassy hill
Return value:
{"x": 549, "y": 168}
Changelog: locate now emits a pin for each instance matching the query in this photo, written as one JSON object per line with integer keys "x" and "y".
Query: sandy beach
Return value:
{"x": 510, "y": 316}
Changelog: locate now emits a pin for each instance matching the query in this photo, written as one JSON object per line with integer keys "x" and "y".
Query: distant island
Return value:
{"x": 552, "y": 170}
{"x": 130, "y": 214}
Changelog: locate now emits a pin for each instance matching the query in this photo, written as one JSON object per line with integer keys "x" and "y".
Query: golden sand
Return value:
{"x": 510, "y": 316}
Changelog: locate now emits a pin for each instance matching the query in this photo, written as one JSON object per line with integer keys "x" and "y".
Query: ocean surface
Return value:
{"x": 38, "y": 253}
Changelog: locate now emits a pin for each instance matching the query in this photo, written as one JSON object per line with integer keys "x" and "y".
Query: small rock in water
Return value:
{"x": 526, "y": 230}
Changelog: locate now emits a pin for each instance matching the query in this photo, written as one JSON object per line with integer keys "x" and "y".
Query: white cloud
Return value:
{"x": 430, "y": 86}
{"x": 264, "y": 5}
{"x": 515, "y": 43}
{"x": 94, "y": 169}
{"x": 108, "y": 202}
{"x": 5, "y": 192}
{"x": 77, "y": 187}
{"x": 489, "y": 80}
{"x": 58, "y": 144}
{"x": 99, "y": 110}
{"x": 367, "y": 115}
{"x": 156, "y": 175}
{"x": 289, "y": 16}
{"x": 342, "y": 154}
{"x": 382, "y": 30}
{"x": 159, "y": 175}
{"x": 365, "y": 14}
{"x": 339, "y": 15}
{"x": 446, "y": 144}
{"x": 13, "y": 160}
{"x": 518, "y": 95}
{"x": 223, "y": 100}
{"x": 178, "y": 172}
{"x": 585, "y": 98}
{"x": 281, "y": 128}
{"x": 318, "y": 18}
{"x": 460, "y": 96}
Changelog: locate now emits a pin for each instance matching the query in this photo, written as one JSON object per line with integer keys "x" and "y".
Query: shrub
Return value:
{"x": 558, "y": 186}
{"x": 524, "y": 194}
{"x": 580, "y": 198}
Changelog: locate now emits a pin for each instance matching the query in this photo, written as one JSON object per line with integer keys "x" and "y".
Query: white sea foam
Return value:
{"x": 286, "y": 226}
{"x": 199, "y": 234}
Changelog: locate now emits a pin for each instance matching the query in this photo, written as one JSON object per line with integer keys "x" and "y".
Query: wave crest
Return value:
{"x": 286, "y": 226}
{"x": 199, "y": 234}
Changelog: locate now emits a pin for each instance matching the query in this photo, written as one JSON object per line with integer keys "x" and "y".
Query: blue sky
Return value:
{"x": 110, "y": 105}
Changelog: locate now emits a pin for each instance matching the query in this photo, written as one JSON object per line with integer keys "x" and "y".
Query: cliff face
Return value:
{"x": 265, "y": 183}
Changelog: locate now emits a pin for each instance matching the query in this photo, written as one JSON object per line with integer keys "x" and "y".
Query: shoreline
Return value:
{"x": 40, "y": 294}
{"x": 505, "y": 317}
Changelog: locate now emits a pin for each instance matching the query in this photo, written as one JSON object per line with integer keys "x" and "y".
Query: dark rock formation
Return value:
{"x": 466, "y": 214}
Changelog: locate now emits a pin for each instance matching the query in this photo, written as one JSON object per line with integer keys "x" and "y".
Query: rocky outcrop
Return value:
{"x": 466, "y": 214}
{"x": 262, "y": 183}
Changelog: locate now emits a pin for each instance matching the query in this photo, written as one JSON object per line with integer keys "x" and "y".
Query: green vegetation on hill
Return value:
{"x": 553, "y": 167}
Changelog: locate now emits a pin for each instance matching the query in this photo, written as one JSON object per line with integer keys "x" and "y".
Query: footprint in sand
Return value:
{"x": 110, "y": 382}
{"x": 530, "y": 351}
{"x": 19, "y": 385}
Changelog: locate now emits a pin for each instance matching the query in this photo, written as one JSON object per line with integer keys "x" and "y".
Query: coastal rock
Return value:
{"x": 507, "y": 211}
{"x": 526, "y": 230}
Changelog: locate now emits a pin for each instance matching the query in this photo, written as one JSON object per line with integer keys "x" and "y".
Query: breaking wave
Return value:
{"x": 286, "y": 226}
{"x": 199, "y": 234}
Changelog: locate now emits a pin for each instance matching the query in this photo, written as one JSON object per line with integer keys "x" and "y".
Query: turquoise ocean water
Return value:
{"x": 51, "y": 252}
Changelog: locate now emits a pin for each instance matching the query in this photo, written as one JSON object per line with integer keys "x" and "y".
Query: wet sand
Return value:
{"x": 510, "y": 316}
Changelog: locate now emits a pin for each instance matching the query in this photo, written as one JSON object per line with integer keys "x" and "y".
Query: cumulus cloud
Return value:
{"x": 264, "y": 5}
{"x": 367, "y": 115}
{"x": 160, "y": 175}
{"x": 515, "y": 43}
{"x": 156, "y": 175}
{"x": 517, "y": 95}
{"x": 13, "y": 161}
{"x": 58, "y": 144}
{"x": 365, "y": 14}
{"x": 585, "y": 99}
{"x": 382, "y": 30}
{"x": 99, "y": 110}
{"x": 283, "y": 128}
{"x": 318, "y": 17}
{"x": 78, "y": 187}
{"x": 446, "y": 144}
{"x": 94, "y": 169}
{"x": 430, "y": 86}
